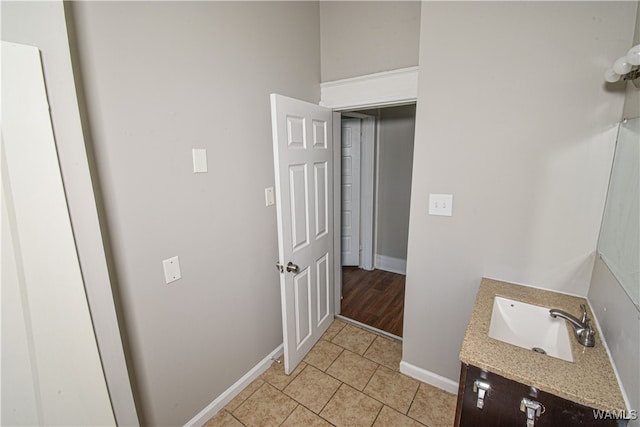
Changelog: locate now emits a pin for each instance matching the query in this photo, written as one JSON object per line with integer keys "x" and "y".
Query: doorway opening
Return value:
{"x": 376, "y": 166}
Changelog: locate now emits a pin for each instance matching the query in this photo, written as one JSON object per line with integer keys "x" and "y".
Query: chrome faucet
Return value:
{"x": 582, "y": 329}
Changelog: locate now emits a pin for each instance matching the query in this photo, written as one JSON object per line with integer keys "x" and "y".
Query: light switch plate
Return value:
{"x": 441, "y": 204}
{"x": 199, "y": 160}
{"x": 269, "y": 197}
{"x": 171, "y": 268}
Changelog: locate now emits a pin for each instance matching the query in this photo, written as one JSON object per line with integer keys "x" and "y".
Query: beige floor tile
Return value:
{"x": 350, "y": 361}
{"x": 302, "y": 417}
{"x": 386, "y": 352}
{"x": 313, "y": 388}
{"x": 392, "y": 388}
{"x": 355, "y": 339}
{"x": 223, "y": 419}
{"x": 333, "y": 329}
{"x": 433, "y": 407}
{"x": 349, "y": 407}
{"x": 276, "y": 377}
{"x": 352, "y": 369}
{"x": 391, "y": 418}
{"x": 244, "y": 395}
{"x": 323, "y": 354}
{"x": 266, "y": 407}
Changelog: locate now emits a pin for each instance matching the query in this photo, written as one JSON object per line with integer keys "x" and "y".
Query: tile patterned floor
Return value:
{"x": 349, "y": 378}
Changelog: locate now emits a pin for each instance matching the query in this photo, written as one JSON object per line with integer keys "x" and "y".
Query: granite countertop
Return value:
{"x": 588, "y": 380}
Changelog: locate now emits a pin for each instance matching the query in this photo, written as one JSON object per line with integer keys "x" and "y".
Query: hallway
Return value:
{"x": 375, "y": 298}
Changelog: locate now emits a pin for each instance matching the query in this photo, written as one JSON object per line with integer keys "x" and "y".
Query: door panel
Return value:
{"x": 351, "y": 192}
{"x": 319, "y": 134}
{"x": 322, "y": 202}
{"x": 295, "y": 132}
{"x": 299, "y": 206}
{"x": 301, "y": 284}
{"x": 303, "y": 161}
{"x": 324, "y": 288}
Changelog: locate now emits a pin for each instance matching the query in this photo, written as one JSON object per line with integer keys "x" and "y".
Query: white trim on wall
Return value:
{"x": 372, "y": 90}
{"x": 429, "y": 377}
{"x": 395, "y": 87}
{"x": 337, "y": 211}
{"x": 394, "y": 265}
{"x": 51, "y": 335}
{"x": 227, "y": 396}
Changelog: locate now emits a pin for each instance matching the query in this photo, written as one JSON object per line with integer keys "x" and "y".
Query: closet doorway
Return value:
{"x": 376, "y": 164}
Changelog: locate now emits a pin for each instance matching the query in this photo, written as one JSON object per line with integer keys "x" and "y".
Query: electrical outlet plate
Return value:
{"x": 199, "y": 160}
{"x": 269, "y": 197}
{"x": 171, "y": 268}
{"x": 441, "y": 204}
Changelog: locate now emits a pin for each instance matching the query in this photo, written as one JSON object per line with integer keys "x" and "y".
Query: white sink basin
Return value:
{"x": 531, "y": 327}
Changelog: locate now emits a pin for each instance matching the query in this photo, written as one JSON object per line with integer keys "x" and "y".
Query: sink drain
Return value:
{"x": 539, "y": 350}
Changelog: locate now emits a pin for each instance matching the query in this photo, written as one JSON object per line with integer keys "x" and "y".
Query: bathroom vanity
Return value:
{"x": 502, "y": 384}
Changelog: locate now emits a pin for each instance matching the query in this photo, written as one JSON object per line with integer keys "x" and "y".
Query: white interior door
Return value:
{"x": 350, "y": 209}
{"x": 303, "y": 162}
{"x": 51, "y": 369}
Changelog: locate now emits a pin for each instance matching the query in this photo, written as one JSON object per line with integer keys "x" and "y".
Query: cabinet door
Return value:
{"x": 501, "y": 405}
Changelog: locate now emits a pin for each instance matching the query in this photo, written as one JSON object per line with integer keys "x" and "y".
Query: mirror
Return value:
{"x": 619, "y": 241}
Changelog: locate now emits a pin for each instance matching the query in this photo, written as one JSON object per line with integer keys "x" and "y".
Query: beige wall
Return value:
{"x": 364, "y": 37}
{"x": 510, "y": 140}
{"x": 395, "y": 162}
{"x": 514, "y": 120}
{"x": 161, "y": 78}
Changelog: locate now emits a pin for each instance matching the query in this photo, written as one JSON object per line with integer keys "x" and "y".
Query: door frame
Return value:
{"x": 390, "y": 88}
{"x": 42, "y": 322}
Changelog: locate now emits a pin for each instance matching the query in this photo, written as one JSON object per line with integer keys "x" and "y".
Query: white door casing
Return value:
{"x": 51, "y": 368}
{"x": 303, "y": 162}
{"x": 350, "y": 194}
{"x": 370, "y": 91}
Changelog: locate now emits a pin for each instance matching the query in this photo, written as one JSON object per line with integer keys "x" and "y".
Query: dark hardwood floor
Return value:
{"x": 375, "y": 298}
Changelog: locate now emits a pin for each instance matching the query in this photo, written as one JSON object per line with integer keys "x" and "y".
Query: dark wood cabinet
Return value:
{"x": 501, "y": 405}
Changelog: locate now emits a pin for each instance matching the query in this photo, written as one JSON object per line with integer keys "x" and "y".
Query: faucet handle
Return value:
{"x": 584, "y": 314}
{"x": 588, "y": 336}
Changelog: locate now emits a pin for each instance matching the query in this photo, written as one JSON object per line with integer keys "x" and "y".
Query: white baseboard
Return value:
{"x": 214, "y": 407}
{"x": 429, "y": 377}
{"x": 394, "y": 265}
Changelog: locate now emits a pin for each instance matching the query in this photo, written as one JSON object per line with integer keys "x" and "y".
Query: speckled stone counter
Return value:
{"x": 588, "y": 380}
